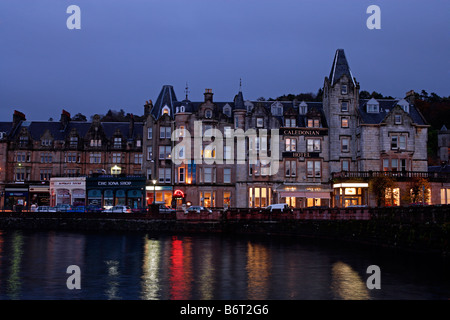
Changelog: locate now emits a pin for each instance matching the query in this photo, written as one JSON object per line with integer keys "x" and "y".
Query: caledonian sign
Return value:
{"x": 303, "y": 132}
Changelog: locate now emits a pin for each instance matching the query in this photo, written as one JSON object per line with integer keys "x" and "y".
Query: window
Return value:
{"x": 226, "y": 199}
{"x": 236, "y": 122}
{"x": 208, "y": 130}
{"x": 117, "y": 142}
{"x": 20, "y": 157}
{"x": 165, "y": 132}
{"x": 208, "y": 113}
{"x": 313, "y": 123}
{"x": 372, "y": 108}
{"x": 398, "y": 142}
{"x": 95, "y": 157}
{"x": 73, "y": 143}
{"x": 149, "y": 153}
{"x": 398, "y": 119}
{"x": 344, "y": 122}
{"x": 259, "y": 122}
{"x": 46, "y": 157}
{"x": 385, "y": 164}
{"x": 164, "y": 175}
{"x": 208, "y": 175}
{"x": 344, "y": 89}
{"x": 182, "y": 131}
{"x": 138, "y": 158}
{"x": 290, "y": 123}
{"x": 149, "y": 133}
{"x": 45, "y": 174}
{"x": 227, "y": 110}
{"x": 116, "y": 158}
{"x": 227, "y": 175}
{"x": 166, "y": 110}
{"x": 227, "y": 132}
{"x": 46, "y": 142}
{"x": 21, "y": 174}
{"x": 149, "y": 174}
{"x": 165, "y": 152}
{"x": 71, "y": 157}
{"x": 394, "y": 164}
{"x": 313, "y": 145}
{"x": 96, "y": 143}
{"x": 23, "y": 141}
{"x": 291, "y": 144}
{"x": 313, "y": 168}
{"x": 180, "y": 154}
{"x": 138, "y": 143}
{"x": 344, "y": 106}
{"x": 259, "y": 197}
{"x": 290, "y": 167}
{"x": 181, "y": 175}
{"x": 227, "y": 152}
{"x": 403, "y": 164}
{"x": 345, "y": 165}
{"x": 345, "y": 144}
{"x": 209, "y": 153}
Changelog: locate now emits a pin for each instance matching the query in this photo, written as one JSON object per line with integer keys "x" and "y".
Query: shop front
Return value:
{"x": 70, "y": 191}
{"x": 16, "y": 197}
{"x": 109, "y": 191}
{"x": 40, "y": 194}
{"x": 304, "y": 196}
{"x": 350, "y": 194}
{"x": 159, "y": 194}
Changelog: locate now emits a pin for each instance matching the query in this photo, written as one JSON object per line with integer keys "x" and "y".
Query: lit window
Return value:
{"x": 344, "y": 122}
{"x": 291, "y": 144}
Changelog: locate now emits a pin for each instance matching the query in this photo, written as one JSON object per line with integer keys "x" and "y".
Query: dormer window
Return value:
{"x": 303, "y": 107}
{"x": 46, "y": 142}
{"x": 208, "y": 113}
{"x": 117, "y": 142}
{"x": 259, "y": 122}
{"x": 404, "y": 105}
{"x": 96, "y": 143}
{"x": 277, "y": 109}
{"x": 373, "y": 106}
{"x": 166, "y": 110}
{"x": 227, "y": 110}
{"x": 73, "y": 142}
{"x": 398, "y": 119}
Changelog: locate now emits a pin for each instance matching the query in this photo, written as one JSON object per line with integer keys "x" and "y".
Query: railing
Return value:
{"x": 399, "y": 175}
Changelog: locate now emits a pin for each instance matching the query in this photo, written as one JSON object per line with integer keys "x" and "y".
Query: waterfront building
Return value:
{"x": 36, "y": 151}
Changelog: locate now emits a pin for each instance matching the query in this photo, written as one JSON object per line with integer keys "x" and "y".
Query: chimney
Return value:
{"x": 148, "y": 106}
{"x": 65, "y": 119}
{"x": 17, "y": 117}
{"x": 410, "y": 96}
{"x": 131, "y": 126}
{"x": 208, "y": 95}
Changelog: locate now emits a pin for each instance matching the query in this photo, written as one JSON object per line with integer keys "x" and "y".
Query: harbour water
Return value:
{"x": 136, "y": 266}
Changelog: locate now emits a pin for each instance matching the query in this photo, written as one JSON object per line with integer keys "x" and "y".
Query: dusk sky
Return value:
{"x": 126, "y": 50}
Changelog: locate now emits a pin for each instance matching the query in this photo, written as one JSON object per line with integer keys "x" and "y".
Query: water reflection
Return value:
{"x": 151, "y": 266}
{"x": 258, "y": 270}
{"x": 347, "y": 284}
{"x": 14, "y": 281}
{"x": 112, "y": 282}
{"x": 206, "y": 271}
{"x": 180, "y": 268}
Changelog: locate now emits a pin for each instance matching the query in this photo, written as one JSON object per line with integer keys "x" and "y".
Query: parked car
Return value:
{"x": 164, "y": 209}
{"x": 283, "y": 207}
{"x": 119, "y": 209}
{"x": 93, "y": 208}
{"x": 198, "y": 209}
{"x": 45, "y": 209}
{"x": 63, "y": 207}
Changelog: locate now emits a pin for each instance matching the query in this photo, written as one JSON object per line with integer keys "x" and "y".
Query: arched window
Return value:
{"x": 166, "y": 110}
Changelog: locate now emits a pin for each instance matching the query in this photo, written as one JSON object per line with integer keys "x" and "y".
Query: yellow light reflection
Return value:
{"x": 150, "y": 277}
{"x": 347, "y": 284}
{"x": 14, "y": 276}
{"x": 206, "y": 272}
{"x": 258, "y": 270}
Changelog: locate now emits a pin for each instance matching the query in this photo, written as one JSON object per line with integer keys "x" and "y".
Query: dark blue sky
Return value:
{"x": 127, "y": 50}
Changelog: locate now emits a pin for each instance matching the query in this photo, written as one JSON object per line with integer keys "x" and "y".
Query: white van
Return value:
{"x": 283, "y": 207}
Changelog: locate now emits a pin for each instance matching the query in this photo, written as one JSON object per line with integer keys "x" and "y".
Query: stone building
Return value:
{"x": 36, "y": 151}
{"x": 328, "y": 151}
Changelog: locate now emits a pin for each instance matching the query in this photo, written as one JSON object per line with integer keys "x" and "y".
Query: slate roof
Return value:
{"x": 38, "y": 128}
{"x": 340, "y": 67}
{"x": 166, "y": 97}
{"x": 386, "y": 106}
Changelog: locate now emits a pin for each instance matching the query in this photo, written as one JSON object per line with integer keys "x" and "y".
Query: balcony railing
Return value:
{"x": 398, "y": 175}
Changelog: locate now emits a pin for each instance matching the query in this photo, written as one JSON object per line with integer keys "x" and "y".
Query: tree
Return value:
{"x": 382, "y": 187}
{"x": 419, "y": 188}
{"x": 79, "y": 117}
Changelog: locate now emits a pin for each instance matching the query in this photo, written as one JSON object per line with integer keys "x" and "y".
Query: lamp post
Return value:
{"x": 154, "y": 191}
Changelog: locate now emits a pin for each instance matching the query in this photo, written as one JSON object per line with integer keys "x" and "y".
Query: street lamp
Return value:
{"x": 154, "y": 190}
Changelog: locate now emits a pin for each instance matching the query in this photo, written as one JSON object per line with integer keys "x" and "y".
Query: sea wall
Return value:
{"x": 421, "y": 229}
